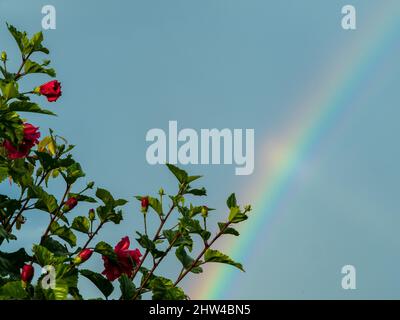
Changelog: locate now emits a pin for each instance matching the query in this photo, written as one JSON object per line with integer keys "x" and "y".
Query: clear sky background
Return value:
{"x": 130, "y": 66}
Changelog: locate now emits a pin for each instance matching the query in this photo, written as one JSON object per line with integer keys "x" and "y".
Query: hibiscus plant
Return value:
{"x": 29, "y": 163}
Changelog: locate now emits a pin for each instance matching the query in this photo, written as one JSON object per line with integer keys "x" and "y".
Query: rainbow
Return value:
{"x": 322, "y": 109}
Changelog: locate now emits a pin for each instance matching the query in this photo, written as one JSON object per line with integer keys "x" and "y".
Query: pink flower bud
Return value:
{"x": 83, "y": 256}
{"x": 145, "y": 204}
{"x": 70, "y": 204}
{"x": 27, "y": 273}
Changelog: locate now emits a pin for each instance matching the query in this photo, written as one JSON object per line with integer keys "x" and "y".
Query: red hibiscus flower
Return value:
{"x": 31, "y": 137}
{"x": 52, "y": 90}
{"x": 126, "y": 261}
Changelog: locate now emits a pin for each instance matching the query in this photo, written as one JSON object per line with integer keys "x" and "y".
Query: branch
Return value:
{"x": 206, "y": 247}
{"x": 157, "y": 235}
{"x": 151, "y": 272}
{"x": 56, "y": 214}
{"x": 92, "y": 235}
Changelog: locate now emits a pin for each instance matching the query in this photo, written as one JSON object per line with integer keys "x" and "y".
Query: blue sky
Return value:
{"x": 130, "y": 66}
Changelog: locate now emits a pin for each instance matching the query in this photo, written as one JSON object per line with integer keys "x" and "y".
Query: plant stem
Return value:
{"x": 157, "y": 234}
{"x": 148, "y": 276}
{"x": 23, "y": 207}
{"x": 93, "y": 235}
{"x": 24, "y": 59}
{"x": 145, "y": 223}
{"x": 56, "y": 214}
{"x": 206, "y": 247}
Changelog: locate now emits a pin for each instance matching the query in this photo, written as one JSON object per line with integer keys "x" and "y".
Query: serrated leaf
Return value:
{"x": 197, "y": 192}
{"x": 127, "y": 287}
{"x": 81, "y": 224}
{"x": 64, "y": 233}
{"x": 10, "y": 263}
{"x": 186, "y": 260}
{"x": 180, "y": 174}
{"x": 106, "y": 250}
{"x": 231, "y": 201}
{"x": 66, "y": 279}
{"x": 105, "y": 196}
{"x": 163, "y": 289}
{"x": 13, "y": 290}
{"x": 228, "y": 230}
{"x": 99, "y": 281}
{"x": 236, "y": 216}
{"x": 217, "y": 256}
{"x": 27, "y": 106}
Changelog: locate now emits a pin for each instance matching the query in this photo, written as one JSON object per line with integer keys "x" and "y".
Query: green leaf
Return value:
{"x": 55, "y": 247}
{"x": 236, "y": 216}
{"x": 106, "y": 250}
{"x": 163, "y": 289}
{"x": 198, "y": 192}
{"x": 36, "y": 44}
{"x": 231, "y": 201}
{"x": 148, "y": 244}
{"x": 106, "y": 214}
{"x": 81, "y": 224}
{"x": 105, "y": 196}
{"x": 64, "y": 233}
{"x": 66, "y": 281}
{"x": 120, "y": 202}
{"x": 46, "y": 161}
{"x": 47, "y": 202}
{"x": 11, "y": 263}
{"x": 180, "y": 174}
{"x": 186, "y": 260}
{"x": 227, "y": 230}
{"x": 156, "y": 205}
{"x": 13, "y": 290}
{"x": 74, "y": 172}
{"x": 6, "y": 235}
{"x": 217, "y": 256}
{"x": 82, "y": 198}
{"x": 183, "y": 240}
{"x": 3, "y": 173}
{"x": 45, "y": 257}
{"x": 27, "y": 106}
{"x": 193, "y": 178}
{"x": 127, "y": 287}
{"x": 20, "y": 37}
{"x": 145, "y": 241}
{"x": 34, "y": 67}
{"x": 99, "y": 281}
{"x": 9, "y": 89}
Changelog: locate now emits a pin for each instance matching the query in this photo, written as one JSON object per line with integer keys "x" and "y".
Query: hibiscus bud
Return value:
{"x": 92, "y": 215}
{"x": 51, "y": 89}
{"x": 27, "y": 273}
{"x": 70, "y": 204}
{"x": 204, "y": 211}
{"x": 83, "y": 256}
{"x": 4, "y": 56}
{"x": 90, "y": 185}
{"x": 248, "y": 208}
{"x": 161, "y": 192}
{"x": 145, "y": 204}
